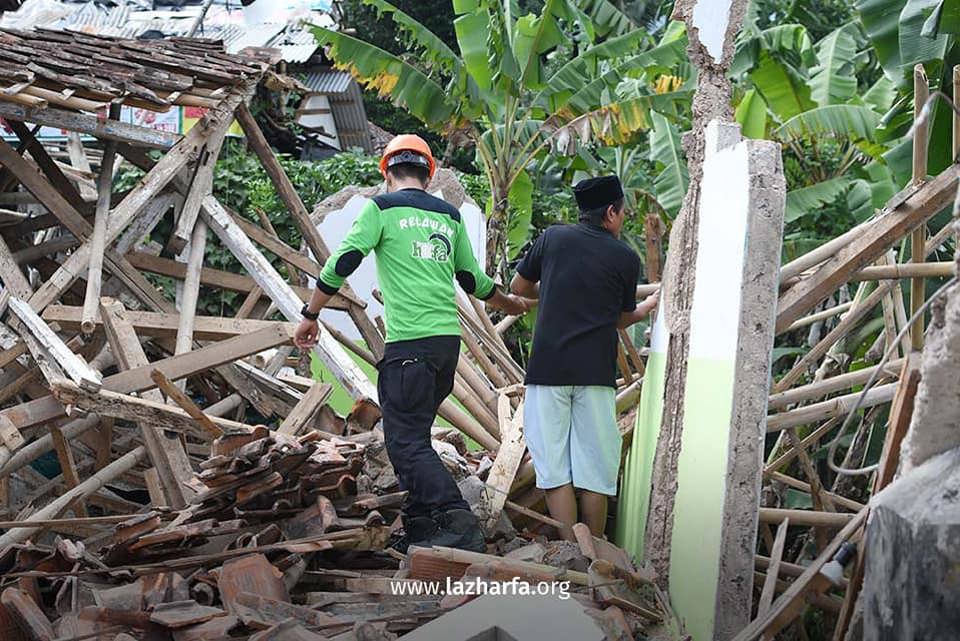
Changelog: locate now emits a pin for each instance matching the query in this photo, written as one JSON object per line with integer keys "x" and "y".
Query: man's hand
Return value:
{"x": 650, "y": 302}
{"x": 515, "y": 305}
{"x": 305, "y": 336}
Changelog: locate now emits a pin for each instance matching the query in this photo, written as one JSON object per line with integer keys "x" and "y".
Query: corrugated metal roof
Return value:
{"x": 328, "y": 81}
{"x": 296, "y": 44}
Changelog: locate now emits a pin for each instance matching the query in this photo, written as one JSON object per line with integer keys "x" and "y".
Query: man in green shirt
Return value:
{"x": 421, "y": 245}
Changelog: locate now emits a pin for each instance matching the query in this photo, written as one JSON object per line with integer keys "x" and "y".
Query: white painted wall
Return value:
{"x": 711, "y": 18}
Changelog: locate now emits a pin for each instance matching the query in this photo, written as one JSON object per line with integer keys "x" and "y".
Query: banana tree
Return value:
{"x": 905, "y": 33}
{"x": 508, "y": 90}
{"x": 808, "y": 97}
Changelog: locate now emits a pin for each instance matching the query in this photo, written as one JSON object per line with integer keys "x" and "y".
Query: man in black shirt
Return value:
{"x": 586, "y": 280}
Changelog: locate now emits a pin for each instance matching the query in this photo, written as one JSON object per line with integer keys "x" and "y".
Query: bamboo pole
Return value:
{"x": 921, "y": 92}
{"x": 841, "y": 501}
{"x": 487, "y": 324}
{"x": 908, "y": 270}
{"x": 809, "y": 441}
{"x": 122, "y": 465}
{"x": 821, "y": 253}
{"x": 98, "y": 239}
{"x": 475, "y": 406}
{"x": 847, "y": 323}
{"x": 819, "y": 316}
{"x": 830, "y": 408}
{"x": 829, "y": 385}
{"x": 475, "y": 382}
{"x": 806, "y": 517}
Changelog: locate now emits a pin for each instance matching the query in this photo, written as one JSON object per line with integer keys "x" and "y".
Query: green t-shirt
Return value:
{"x": 421, "y": 245}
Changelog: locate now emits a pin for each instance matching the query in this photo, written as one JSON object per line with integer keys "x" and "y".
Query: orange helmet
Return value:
{"x": 407, "y": 148}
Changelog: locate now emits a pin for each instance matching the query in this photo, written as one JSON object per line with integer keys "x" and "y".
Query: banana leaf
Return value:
{"x": 670, "y": 185}
{"x": 404, "y": 84}
{"x": 808, "y": 200}
{"x": 832, "y": 81}
{"x": 751, "y": 113}
{"x": 783, "y": 89}
{"x": 433, "y": 50}
{"x": 854, "y": 122}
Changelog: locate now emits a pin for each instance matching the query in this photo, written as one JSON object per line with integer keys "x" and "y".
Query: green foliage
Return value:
{"x": 518, "y": 85}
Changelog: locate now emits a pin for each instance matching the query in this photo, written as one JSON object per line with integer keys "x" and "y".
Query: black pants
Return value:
{"x": 415, "y": 377}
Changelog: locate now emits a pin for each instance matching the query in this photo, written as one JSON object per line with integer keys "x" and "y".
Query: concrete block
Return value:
{"x": 911, "y": 589}
{"x": 512, "y": 618}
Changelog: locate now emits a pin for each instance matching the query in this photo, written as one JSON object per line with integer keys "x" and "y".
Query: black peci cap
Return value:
{"x": 594, "y": 193}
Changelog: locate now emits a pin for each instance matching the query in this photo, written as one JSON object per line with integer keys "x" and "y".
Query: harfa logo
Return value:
{"x": 436, "y": 248}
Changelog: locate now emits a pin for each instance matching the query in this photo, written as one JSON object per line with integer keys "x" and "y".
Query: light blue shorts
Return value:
{"x": 571, "y": 432}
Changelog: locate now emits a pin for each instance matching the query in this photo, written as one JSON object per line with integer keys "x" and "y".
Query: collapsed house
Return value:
{"x": 174, "y": 510}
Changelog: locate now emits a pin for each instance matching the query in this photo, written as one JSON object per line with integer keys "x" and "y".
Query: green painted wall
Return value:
{"x": 698, "y": 511}
{"x": 635, "y": 489}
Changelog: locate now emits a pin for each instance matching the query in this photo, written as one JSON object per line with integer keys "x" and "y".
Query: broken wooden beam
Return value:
{"x": 329, "y": 351}
{"x": 51, "y": 344}
{"x": 98, "y": 239}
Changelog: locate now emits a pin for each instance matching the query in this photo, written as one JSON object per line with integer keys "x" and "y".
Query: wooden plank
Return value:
{"x": 505, "y": 466}
{"x": 80, "y": 161}
{"x": 10, "y": 436}
{"x": 166, "y": 450}
{"x": 147, "y": 412}
{"x": 890, "y": 227}
{"x": 72, "y": 364}
{"x": 269, "y": 242}
{"x": 189, "y": 293}
{"x": 901, "y": 411}
{"x": 68, "y": 466}
{"x": 13, "y": 279}
{"x": 92, "y": 125}
{"x": 215, "y": 277}
{"x": 138, "y": 379}
{"x": 180, "y": 398}
{"x": 200, "y": 188}
{"x": 291, "y": 199}
{"x": 327, "y": 348}
{"x": 47, "y": 165}
{"x": 104, "y": 449}
{"x": 632, "y": 352}
{"x": 305, "y": 411}
{"x": 136, "y": 200}
{"x": 98, "y": 239}
{"x": 212, "y": 328}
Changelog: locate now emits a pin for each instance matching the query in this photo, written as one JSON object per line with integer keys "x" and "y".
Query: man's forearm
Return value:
{"x": 523, "y": 287}
{"x": 318, "y": 301}
{"x": 638, "y": 314}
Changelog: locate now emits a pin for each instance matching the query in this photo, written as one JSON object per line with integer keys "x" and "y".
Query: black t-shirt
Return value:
{"x": 587, "y": 277}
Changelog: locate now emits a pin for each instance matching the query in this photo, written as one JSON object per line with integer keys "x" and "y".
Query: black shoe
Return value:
{"x": 459, "y": 529}
{"x": 418, "y": 530}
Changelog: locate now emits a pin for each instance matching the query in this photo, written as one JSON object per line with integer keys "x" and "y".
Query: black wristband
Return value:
{"x": 306, "y": 313}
